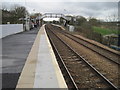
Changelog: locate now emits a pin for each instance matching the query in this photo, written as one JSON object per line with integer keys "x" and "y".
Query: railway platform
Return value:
{"x": 41, "y": 69}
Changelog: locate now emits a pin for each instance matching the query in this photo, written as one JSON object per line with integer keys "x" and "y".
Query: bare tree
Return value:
{"x": 14, "y": 14}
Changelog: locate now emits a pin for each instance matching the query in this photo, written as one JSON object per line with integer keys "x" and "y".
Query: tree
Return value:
{"x": 5, "y": 16}
{"x": 112, "y": 18}
{"x": 13, "y": 15}
{"x": 17, "y": 13}
{"x": 80, "y": 20}
{"x": 94, "y": 21}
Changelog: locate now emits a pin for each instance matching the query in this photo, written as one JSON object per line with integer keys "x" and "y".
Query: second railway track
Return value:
{"x": 112, "y": 56}
{"x": 83, "y": 73}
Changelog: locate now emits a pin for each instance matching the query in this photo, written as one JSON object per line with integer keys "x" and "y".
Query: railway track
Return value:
{"x": 112, "y": 56}
{"x": 80, "y": 72}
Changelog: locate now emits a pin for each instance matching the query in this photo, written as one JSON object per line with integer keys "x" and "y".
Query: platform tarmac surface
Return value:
{"x": 15, "y": 49}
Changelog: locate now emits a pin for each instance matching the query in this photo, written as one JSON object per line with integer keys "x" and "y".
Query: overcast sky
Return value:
{"x": 100, "y": 9}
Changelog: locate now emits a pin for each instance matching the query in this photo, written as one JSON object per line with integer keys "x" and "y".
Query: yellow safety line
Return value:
{"x": 27, "y": 76}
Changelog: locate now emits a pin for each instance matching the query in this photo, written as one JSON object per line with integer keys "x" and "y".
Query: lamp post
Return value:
{"x": 34, "y": 18}
{"x": 119, "y": 24}
{"x": 26, "y": 19}
{"x": 39, "y": 18}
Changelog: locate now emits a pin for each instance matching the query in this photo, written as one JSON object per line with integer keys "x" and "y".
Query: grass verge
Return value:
{"x": 104, "y": 31}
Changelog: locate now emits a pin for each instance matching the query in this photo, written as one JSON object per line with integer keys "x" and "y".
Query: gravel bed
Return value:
{"x": 109, "y": 69}
{"x": 80, "y": 72}
{"x": 97, "y": 43}
{"x": 105, "y": 52}
{"x": 111, "y": 54}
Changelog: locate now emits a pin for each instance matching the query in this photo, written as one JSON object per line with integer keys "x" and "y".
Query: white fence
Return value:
{"x": 9, "y": 29}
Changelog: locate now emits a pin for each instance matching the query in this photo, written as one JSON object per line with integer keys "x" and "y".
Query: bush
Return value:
{"x": 87, "y": 31}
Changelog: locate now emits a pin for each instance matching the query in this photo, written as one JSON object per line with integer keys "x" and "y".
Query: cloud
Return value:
{"x": 87, "y": 9}
{"x": 59, "y": 0}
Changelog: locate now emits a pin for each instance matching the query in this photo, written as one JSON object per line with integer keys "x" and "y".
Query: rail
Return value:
{"x": 83, "y": 59}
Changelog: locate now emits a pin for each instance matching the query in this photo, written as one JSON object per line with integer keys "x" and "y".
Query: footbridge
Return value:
{"x": 53, "y": 15}
{"x": 61, "y": 16}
